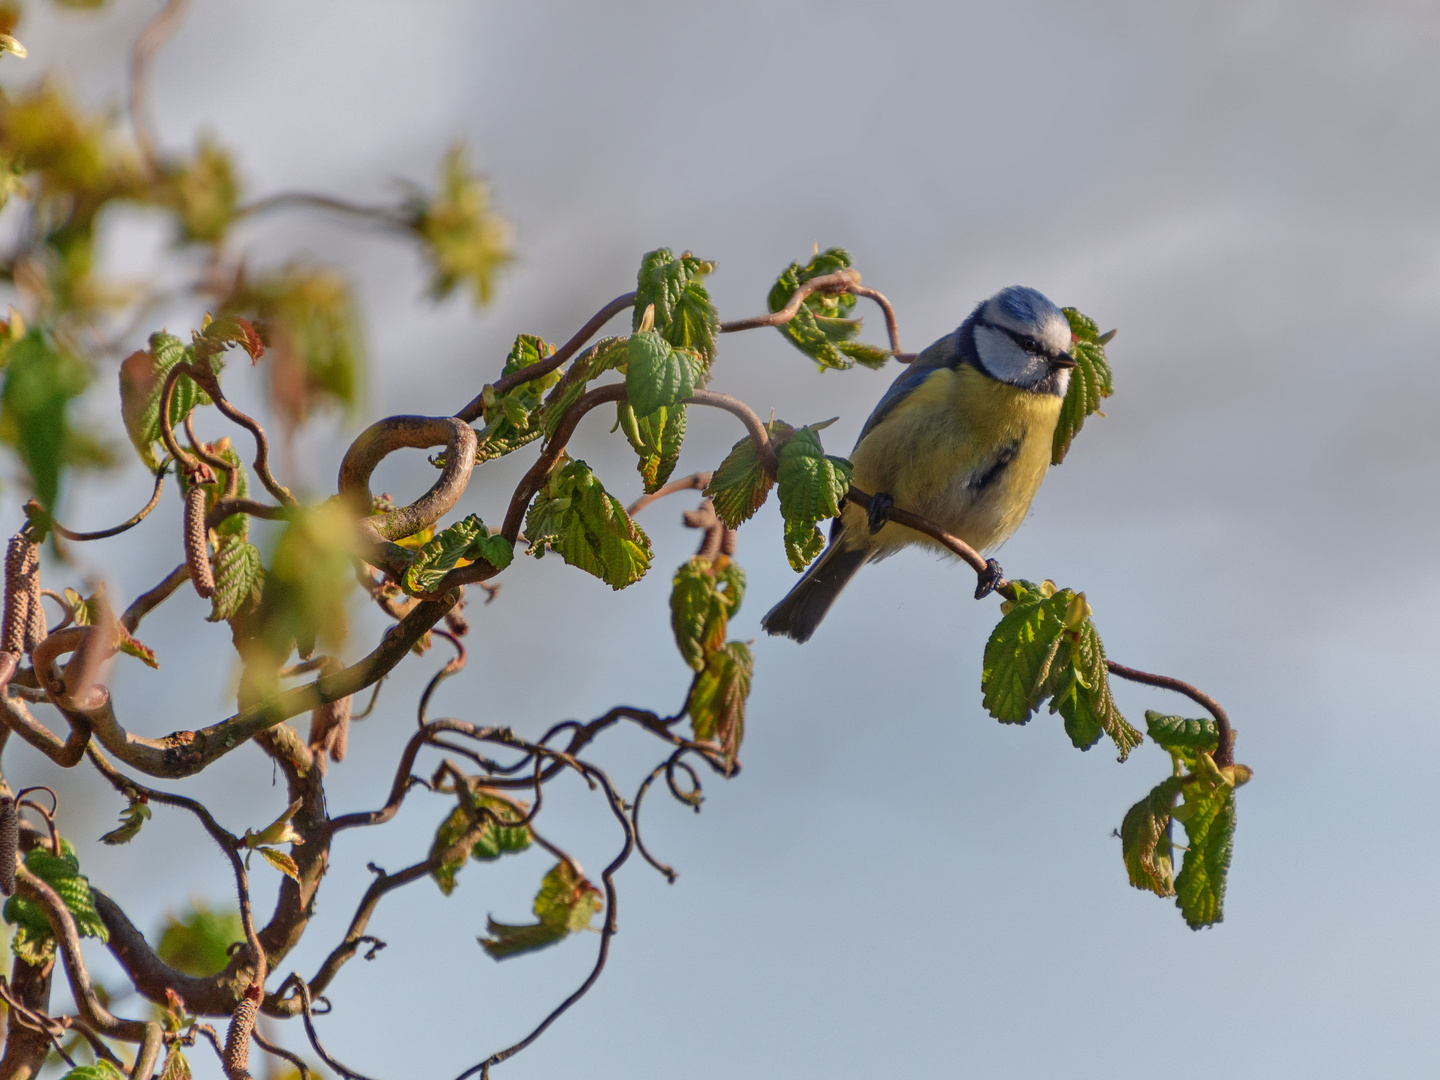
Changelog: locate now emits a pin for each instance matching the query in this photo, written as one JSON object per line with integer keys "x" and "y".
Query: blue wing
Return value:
{"x": 942, "y": 354}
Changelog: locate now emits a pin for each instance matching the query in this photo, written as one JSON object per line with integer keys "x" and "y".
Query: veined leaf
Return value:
{"x": 1084, "y": 699}
{"x": 33, "y": 941}
{"x": 657, "y": 439}
{"x": 1177, "y": 733}
{"x": 658, "y": 375}
{"x": 684, "y": 314}
{"x": 99, "y": 1070}
{"x": 142, "y": 380}
{"x": 484, "y": 842}
{"x": 131, "y": 819}
{"x": 812, "y": 486}
{"x": 577, "y": 518}
{"x": 704, "y": 596}
{"x": 1209, "y": 821}
{"x": 1090, "y": 382}
{"x": 513, "y": 419}
{"x": 821, "y": 329}
{"x": 717, "y": 697}
{"x": 460, "y": 544}
{"x": 566, "y": 903}
{"x": 199, "y": 943}
{"x": 740, "y": 485}
{"x": 1145, "y": 839}
{"x": 239, "y": 577}
{"x": 1021, "y": 650}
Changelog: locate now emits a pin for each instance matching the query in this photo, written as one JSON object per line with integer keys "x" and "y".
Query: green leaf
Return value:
{"x": 565, "y": 904}
{"x": 684, "y": 314}
{"x": 41, "y": 379}
{"x": 199, "y": 942}
{"x": 281, "y": 861}
{"x": 657, "y": 439}
{"x": 459, "y": 837}
{"x": 1021, "y": 651}
{"x": 1090, "y": 382}
{"x": 658, "y": 375}
{"x": 1209, "y": 822}
{"x": 100, "y": 1070}
{"x": 204, "y": 193}
{"x": 131, "y": 819}
{"x": 142, "y": 379}
{"x": 1177, "y": 733}
{"x": 1086, "y": 702}
{"x": 717, "y": 697}
{"x": 460, "y": 544}
{"x": 740, "y": 485}
{"x": 1145, "y": 839}
{"x": 239, "y": 577}
{"x": 176, "y": 1067}
{"x": 33, "y": 941}
{"x": 821, "y": 329}
{"x": 513, "y": 419}
{"x": 577, "y": 518}
{"x": 468, "y": 243}
{"x": 812, "y": 486}
{"x": 704, "y": 596}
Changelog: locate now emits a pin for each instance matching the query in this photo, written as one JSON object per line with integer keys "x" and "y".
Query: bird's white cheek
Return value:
{"x": 1005, "y": 360}
{"x": 1062, "y": 382}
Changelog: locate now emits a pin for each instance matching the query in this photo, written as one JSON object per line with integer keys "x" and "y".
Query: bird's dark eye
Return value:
{"x": 1029, "y": 344}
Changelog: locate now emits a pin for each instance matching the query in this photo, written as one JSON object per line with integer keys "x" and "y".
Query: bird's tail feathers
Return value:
{"x": 805, "y": 605}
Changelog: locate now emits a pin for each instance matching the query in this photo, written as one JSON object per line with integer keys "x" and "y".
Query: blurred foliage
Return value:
{"x": 467, "y": 243}
{"x": 199, "y": 941}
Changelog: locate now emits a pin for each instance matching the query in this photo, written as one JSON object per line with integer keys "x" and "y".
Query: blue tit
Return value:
{"x": 962, "y": 437}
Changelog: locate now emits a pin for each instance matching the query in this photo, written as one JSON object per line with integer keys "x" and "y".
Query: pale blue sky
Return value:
{"x": 895, "y": 884}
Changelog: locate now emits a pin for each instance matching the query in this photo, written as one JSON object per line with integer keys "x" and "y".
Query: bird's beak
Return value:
{"x": 1064, "y": 360}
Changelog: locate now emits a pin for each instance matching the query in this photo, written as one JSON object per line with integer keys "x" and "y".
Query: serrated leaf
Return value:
{"x": 281, "y": 861}
{"x": 684, "y": 314}
{"x": 142, "y": 380}
{"x": 239, "y": 577}
{"x": 1086, "y": 702}
{"x": 812, "y": 486}
{"x": 1018, "y": 653}
{"x": 821, "y": 328}
{"x": 1090, "y": 382}
{"x": 513, "y": 419}
{"x": 217, "y": 335}
{"x": 577, "y": 518}
{"x": 704, "y": 595}
{"x": 739, "y": 487}
{"x": 657, "y": 439}
{"x": 658, "y": 375}
{"x": 131, "y": 819}
{"x": 1210, "y": 836}
{"x": 565, "y": 904}
{"x": 33, "y": 940}
{"x": 1178, "y": 733}
{"x": 716, "y": 705}
{"x": 1145, "y": 839}
{"x": 458, "y": 545}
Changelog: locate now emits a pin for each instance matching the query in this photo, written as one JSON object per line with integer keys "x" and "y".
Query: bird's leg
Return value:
{"x": 879, "y": 513}
{"x": 991, "y": 576}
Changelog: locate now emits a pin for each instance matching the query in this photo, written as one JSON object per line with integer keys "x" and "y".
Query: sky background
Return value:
{"x": 895, "y": 884}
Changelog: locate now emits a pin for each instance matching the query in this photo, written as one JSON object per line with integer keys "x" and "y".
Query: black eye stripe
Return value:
{"x": 1025, "y": 341}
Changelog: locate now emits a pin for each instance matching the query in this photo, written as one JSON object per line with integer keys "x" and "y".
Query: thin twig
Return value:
{"x": 128, "y": 523}
{"x": 1225, "y": 748}
{"x": 391, "y": 216}
{"x": 694, "y": 482}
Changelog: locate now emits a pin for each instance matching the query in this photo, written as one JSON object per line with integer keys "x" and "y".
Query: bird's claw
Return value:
{"x": 991, "y": 576}
{"x": 879, "y": 513}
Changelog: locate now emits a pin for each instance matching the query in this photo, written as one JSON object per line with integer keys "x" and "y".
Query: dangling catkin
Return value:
{"x": 197, "y": 555}
{"x": 237, "y": 1039}
{"x": 17, "y": 594}
{"x": 9, "y": 843}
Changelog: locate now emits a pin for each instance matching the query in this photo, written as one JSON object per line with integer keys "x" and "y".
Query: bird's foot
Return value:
{"x": 991, "y": 576}
{"x": 879, "y": 513}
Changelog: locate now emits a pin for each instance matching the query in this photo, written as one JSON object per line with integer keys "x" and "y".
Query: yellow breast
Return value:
{"x": 964, "y": 450}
